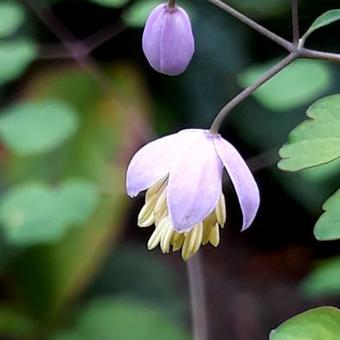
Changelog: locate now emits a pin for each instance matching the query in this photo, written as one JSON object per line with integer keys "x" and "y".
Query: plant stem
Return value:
{"x": 197, "y": 298}
{"x": 295, "y": 22}
{"x": 313, "y": 54}
{"x": 172, "y": 3}
{"x": 253, "y": 24}
{"x": 249, "y": 90}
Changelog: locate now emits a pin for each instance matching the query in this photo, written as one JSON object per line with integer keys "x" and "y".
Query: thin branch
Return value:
{"x": 254, "y": 25}
{"x": 101, "y": 37}
{"x": 249, "y": 90}
{"x": 295, "y": 22}
{"x": 197, "y": 298}
{"x": 313, "y": 54}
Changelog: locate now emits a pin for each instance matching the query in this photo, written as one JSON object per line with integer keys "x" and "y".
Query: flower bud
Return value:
{"x": 168, "y": 42}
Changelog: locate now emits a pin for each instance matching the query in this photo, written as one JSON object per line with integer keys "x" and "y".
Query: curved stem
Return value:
{"x": 197, "y": 298}
{"x": 253, "y": 24}
{"x": 295, "y": 22}
{"x": 249, "y": 90}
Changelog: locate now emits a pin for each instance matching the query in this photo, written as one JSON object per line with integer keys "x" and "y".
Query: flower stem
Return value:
{"x": 249, "y": 90}
{"x": 253, "y": 24}
{"x": 197, "y": 298}
{"x": 172, "y": 3}
{"x": 295, "y": 22}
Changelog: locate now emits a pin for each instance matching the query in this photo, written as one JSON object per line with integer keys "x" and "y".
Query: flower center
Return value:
{"x": 155, "y": 211}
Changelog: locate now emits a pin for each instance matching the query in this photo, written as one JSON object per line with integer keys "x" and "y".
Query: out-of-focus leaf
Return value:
{"x": 328, "y": 226}
{"x": 297, "y": 84}
{"x": 112, "y": 127}
{"x": 137, "y": 13}
{"x": 315, "y": 324}
{"x": 14, "y": 324}
{"x": 324, "y": 280}
{"x": 35, "y": 213}
{"x": 111, "y": 3}
{"x": 108, "y": 319}
{"x": 120, "y": 272}
{"x": 35, "y": 127}
{"x": 12, "y": 16}
{"x": 15, "y": 57}
{"x": 317, "y": 140}
{"x": 323, "y": 20}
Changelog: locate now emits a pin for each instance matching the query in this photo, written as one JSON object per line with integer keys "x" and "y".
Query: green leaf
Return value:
{"x": 14, "y": 324}
{"x": 138, "y": 12}
{"x": 108, "y": 319}
{"x": 34, "y": 213}
{"x": 297, "y": 84}
{"x": 323, "y": 20}
{"x": 324, "y": 280}
{"x": 315, "y": 141}
{"x": 111, "y": 3}
{"x": 48, "y": 277}
{"x": 328, "y": 226}
{"x": 12, "y": 16}
{"x": 15, "y": 57}
{"x": 315, "y": 324}
{"x": 36, "y": 127}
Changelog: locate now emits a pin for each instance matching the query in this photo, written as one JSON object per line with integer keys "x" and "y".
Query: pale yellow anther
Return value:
{"x": 208, "y": 223}
{"x": 155, "y": 211}
{"x": 161, "y": 208}
{"x": 215, "y": 235}
{"x": 177, "y": 241}
{"x": 155, "y": 190}
{"x": 166, "y": 237}
{"x": 221, "y": 211}
{"x": 186, "y": 244}
{"x": 156, "y": 235}
{"x": 146, "y": 215}
{"x": 195, "y": 245}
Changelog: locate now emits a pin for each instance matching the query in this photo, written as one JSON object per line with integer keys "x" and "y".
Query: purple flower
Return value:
{"x": 182, "y": 174}
{"x": 168, "y": 42}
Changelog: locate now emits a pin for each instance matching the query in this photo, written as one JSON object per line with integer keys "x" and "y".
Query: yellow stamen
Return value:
{"x": 155, "y": 211}
{"x": 221, "y": 211}
{"x": 215, "y": 235}
{"x": 146, "y": 215}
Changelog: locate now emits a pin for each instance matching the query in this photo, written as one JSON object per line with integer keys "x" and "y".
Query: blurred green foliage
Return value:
{"x": 31, "y": 128}
{"x": 72, "y": 203}
{"x": 67, "y": 134}
{"x": 328, "y": 226}
{"x": 12, "y": 15}
{"x": 324, "y": 280}
{"x": 15, "y": 56}
{"x": 319, "y": 323}
{"x": 299, "y": 83}
{"x": 108, "y": 319}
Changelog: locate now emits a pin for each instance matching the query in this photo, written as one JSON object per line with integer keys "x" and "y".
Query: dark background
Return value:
{"x": 253, "y": 279}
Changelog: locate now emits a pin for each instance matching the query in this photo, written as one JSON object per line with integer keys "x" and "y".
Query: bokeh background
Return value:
{"x": 77, "y": 99}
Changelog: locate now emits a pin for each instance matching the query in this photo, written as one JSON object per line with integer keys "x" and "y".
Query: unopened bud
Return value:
{"x": 168, "y": 42}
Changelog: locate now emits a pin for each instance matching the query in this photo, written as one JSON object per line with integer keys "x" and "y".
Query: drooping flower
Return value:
{"x": 182, "y": 174}
{"x": 168, "y": 42}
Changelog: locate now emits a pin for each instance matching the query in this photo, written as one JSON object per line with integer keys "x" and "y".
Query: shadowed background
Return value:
{"x": 77, "y": 100}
